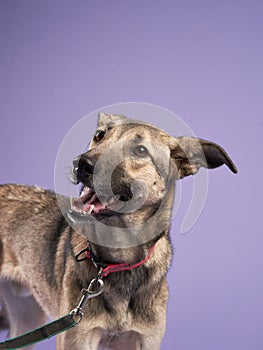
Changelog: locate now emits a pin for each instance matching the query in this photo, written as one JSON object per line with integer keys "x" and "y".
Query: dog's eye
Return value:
{"x": 140, "y": 151}
{"x": 99, "y": 135}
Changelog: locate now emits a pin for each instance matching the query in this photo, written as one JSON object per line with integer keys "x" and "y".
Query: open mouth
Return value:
{"x": 89, "y": 204}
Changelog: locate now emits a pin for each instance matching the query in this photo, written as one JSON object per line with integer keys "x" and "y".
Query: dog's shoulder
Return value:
{"x": 24, "y": 192}
{"x": 13, "y": 197}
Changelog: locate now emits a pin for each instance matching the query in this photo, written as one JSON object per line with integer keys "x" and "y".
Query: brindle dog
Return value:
{"x": 126, "y": 218}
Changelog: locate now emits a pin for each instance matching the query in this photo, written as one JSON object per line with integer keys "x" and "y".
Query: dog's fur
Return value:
{"x": 39, "y": 272}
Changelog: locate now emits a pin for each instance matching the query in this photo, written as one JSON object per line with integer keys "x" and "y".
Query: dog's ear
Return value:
{"x": 109, "y": 120}
{"x": 190, "y": 154}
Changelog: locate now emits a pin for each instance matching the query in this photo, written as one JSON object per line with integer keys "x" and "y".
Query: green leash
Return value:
{"x": 42, "y": 333}
{"x": 60, "y": 325}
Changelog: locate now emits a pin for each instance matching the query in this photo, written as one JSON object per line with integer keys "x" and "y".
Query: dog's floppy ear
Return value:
{"x": 109, "y": 120}
{"x": 190, "y": 154}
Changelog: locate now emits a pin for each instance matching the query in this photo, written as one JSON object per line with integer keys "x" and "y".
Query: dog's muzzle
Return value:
{"x": 82, "y": 170}
{"x": 89, "y": 203}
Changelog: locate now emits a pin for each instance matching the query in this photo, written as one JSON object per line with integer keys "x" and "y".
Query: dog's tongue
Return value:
{"x": 88, "y": 202}
{"x": 94, "y": 205}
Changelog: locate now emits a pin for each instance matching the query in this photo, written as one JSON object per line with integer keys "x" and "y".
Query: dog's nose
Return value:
{"x": 83, "y": 167}
{"x": 86, "y": 166}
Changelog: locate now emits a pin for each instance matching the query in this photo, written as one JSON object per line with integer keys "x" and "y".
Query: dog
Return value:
{"x": 127, "y": 182}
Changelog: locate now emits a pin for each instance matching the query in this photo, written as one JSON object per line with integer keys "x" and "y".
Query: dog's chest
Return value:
{"x": 120, "y": 315}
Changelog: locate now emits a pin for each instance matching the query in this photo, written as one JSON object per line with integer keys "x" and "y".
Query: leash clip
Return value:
{"x": 94, "y": 289}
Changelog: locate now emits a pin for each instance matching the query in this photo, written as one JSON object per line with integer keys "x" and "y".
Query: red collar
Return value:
{"x": 110, "y": 268}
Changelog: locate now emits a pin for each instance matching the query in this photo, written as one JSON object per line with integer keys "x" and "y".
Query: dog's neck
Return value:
{"x": 109, "y": 255}
{"x": 107, "y": 268}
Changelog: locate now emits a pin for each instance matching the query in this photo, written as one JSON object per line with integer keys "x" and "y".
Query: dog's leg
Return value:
{"x": 152, "y": 342}
{"x": 78, "y": 338}
{"x": 23, "y": 312}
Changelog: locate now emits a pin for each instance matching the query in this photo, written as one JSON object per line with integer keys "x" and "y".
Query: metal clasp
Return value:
{"x": 94, "y": 289}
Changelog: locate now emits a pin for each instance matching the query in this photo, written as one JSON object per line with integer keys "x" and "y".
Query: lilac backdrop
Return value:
{"x": 201, "y": 59}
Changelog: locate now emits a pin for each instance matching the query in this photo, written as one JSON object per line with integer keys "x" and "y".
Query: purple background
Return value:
{"x": 61, "y": 60}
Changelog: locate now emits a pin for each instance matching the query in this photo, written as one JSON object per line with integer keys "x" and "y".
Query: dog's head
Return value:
{"x": 130, "y": 169}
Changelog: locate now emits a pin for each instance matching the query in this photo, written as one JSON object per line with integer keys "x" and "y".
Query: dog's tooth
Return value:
{"x": 83, "y": 192}
{"x": 90, "y": 209}
{"x": 72, "y": 202}
{"x": 73, "y": 206}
